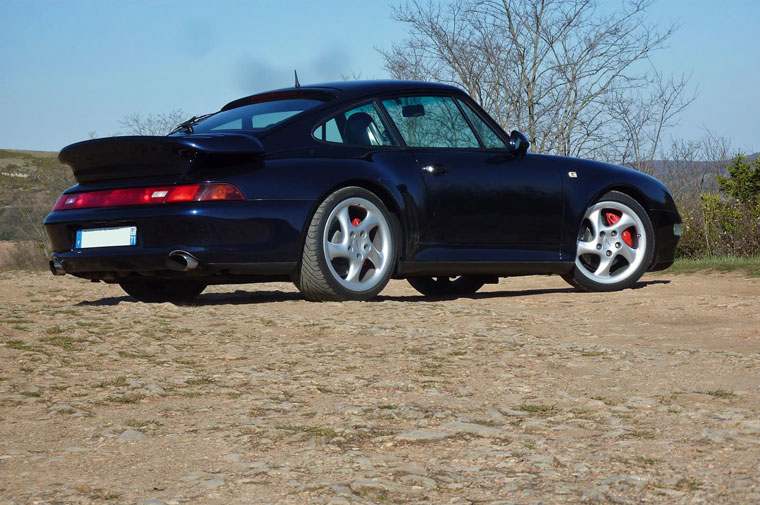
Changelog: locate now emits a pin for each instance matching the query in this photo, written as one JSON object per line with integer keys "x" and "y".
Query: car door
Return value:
{"x": 478, "y": 191}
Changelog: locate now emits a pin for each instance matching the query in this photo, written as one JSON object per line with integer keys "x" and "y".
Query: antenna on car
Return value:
{"x": 298, "y": 84}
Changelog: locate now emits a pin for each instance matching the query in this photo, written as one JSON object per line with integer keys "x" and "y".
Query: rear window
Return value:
{"x": 256, "y": 116}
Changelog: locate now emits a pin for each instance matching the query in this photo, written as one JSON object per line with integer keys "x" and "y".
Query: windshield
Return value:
{"x": 253, "y": 117}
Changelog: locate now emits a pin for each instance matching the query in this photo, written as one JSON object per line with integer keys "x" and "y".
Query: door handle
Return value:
{"x": 434, "y": 169}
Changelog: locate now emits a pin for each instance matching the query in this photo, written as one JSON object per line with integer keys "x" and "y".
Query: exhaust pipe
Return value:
{"x": 56, "y": 266}
{"x": 181, "y": 261}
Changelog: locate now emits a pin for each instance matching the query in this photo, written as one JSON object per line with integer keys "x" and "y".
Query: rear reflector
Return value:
{"x": 149, "y": 196}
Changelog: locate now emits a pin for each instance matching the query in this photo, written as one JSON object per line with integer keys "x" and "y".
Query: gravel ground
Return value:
{"x": 528, "y": 393}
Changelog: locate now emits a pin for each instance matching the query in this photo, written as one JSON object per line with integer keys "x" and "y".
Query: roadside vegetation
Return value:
{"x": 724, "y": 222}
{"x": 30, "y": 183}
{"x": 749, "y": 265}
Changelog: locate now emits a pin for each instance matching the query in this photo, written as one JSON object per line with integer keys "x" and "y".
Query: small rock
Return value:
{"x": 130, "y": 436}
{"x": 409, "y": 470}
{"x": 542, "y": 459}
{"x": 421, "y": 436}
{"x": 696, "y": 397}
{"x": 338, "y": 500}
{"x": 535, "y": 426}
{"x": 640, "y": 402}
{"x": 630, "y": 480}
{"x": 598, "y": 493}
{"x": 194, "y": 476}
{"x": 418, "y": 480}
{"x": 496, "y": 416}
{"x": 378, "y": 485}
{"x": 213, "y": 483}
{"x": 511, "y": 412}
{"x": 473, "y": 429}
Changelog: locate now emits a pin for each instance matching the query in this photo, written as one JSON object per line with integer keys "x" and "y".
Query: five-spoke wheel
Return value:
{"x": 614, "y": 246}
{"x": 350, "y": 249}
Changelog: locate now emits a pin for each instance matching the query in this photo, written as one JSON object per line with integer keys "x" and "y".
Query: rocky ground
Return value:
{"x": 527, "y": 393}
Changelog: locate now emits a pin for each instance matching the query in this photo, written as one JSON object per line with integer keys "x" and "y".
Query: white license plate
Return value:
{"x": 107, "y": 237}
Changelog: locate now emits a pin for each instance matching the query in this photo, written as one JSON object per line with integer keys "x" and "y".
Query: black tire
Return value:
{"x": 463, "y": 285}
{"x": 581, "y": 276}
{"x": 160, "y": 291}
{"x": 319, "y": 281}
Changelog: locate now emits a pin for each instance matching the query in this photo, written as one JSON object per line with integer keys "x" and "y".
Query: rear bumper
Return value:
{"x": 667, "y": 234}
{"x": 252, "y": 236}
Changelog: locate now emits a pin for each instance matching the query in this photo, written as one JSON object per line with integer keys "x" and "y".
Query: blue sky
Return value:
{"x": 70, "y": 67}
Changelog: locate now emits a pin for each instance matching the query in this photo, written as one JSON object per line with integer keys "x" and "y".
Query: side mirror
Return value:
{"x": 518, "y": 143}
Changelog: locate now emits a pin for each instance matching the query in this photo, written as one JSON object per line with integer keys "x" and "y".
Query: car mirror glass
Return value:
{"x": 417, "y": 110}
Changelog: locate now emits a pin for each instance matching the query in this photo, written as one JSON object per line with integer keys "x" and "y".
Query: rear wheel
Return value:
{"x": 350, "y": 248}
{"x": 615, "y": 245}
{"x": 158, "y": 291}
{"x": 447, "y": 286}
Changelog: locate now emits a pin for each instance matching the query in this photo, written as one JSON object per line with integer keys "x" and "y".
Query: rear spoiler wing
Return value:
{"x": 145, "y": 156}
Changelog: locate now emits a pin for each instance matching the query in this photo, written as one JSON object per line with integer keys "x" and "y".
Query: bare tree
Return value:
{"x": 573, "y": 76}
{"x": 641, "y": 117}
{"x": 691, "y": 168}
{"x": 151, "y": 124}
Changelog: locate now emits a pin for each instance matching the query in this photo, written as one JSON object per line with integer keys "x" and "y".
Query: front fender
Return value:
{"x": 593, "y": 179}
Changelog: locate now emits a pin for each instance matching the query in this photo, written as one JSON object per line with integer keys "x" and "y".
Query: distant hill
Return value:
{"x": 661, "y": 168}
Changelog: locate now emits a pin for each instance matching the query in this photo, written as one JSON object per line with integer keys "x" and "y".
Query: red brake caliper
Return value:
{"x": 614, "y": 218}
{"x": 356, "y": 221}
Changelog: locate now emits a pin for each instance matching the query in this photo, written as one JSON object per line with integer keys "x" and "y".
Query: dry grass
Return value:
{"x": 25, "y": 255}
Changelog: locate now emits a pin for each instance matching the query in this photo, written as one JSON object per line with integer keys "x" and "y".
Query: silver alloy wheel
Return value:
{"x": 357, "y": 244}
{"x": 605, "y": 254}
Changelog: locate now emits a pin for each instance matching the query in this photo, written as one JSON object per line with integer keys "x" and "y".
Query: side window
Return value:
{"x": 487, "y": 135}
{"x": 431, "y": 121}
{"x": 329, "y": 132}
{"x": 359, "y": 126}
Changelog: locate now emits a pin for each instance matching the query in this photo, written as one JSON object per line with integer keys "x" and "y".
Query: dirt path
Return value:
{"x": 527, "y": 392}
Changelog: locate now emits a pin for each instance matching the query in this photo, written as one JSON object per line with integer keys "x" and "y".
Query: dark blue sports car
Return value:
{"x": 339, "y": 187}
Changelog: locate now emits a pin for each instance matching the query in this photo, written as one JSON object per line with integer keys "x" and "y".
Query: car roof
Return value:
{"x": 348, "y": 90}
{"x": 382, "y": 86}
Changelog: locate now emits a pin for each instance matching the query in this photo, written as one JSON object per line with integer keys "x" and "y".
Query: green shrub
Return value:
{"x": 726, "y": 223}
{"x": 743, "y": 181}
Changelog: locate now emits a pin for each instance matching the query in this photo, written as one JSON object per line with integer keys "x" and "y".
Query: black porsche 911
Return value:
{"x": 339, "y": 187}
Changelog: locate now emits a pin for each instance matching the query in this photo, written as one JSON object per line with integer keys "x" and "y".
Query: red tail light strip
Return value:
{"x": 149, "y": 196}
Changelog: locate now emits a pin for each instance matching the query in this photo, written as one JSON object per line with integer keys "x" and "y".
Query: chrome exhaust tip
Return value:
{"x": 56, "y": 266}
{"x": 181, "y": 261}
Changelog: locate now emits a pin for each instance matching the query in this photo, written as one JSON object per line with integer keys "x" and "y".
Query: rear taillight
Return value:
{"x": 149, "y": 196}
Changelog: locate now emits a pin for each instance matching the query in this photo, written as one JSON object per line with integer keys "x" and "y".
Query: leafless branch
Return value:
{"x": 571, "y": 75}
{"x": 151, "y": 124}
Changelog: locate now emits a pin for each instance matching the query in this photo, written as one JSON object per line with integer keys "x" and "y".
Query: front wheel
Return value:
{"x": 350, "y": 248}
{"x": 463, "y": 285}
{"x": 158, "y": 291}
{"x": 615, "y": 245}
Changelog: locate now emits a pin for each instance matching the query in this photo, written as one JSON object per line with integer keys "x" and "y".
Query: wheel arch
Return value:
{"x": 390, "y": 201}
{"x": 631, "y": 191}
